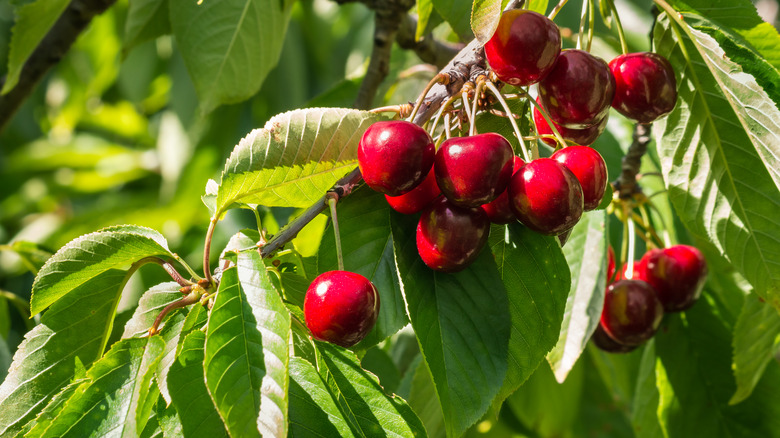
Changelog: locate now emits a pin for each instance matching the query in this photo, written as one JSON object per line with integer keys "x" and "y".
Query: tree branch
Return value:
{"x": 626, "y": 184}
{"x": 428, "y": 49}
{"x": 51, "y": 49}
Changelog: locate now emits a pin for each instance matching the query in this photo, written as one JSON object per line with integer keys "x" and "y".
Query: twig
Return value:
{"x": 428, "y": 49}
{"x": 626, "y": 184}
{"x": 51, "y": 49}
{"x": 170, "y": 270}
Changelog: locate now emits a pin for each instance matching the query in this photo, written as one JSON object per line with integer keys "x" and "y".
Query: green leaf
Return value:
{"x": 189, "y": 395}
{"x": 695, "y": 383}
{"x": 146, "y": 20}
{"x": 33, "y": 22}
{"x": 756, "y": 338}
{"x": 229, "y": 46}
{"x": 458, "y": 14}
{"x": 274, "y": 325}
{"x": 537, "y": 281}
{"x": 172, "y": 334}
{"x": 313, "y": 411}
{"x": 422, "y": 398}
{"x": 367, "y": 245}
{"x": 112, "y": 400}
{"x": 32, "y": 254}
{"x": 424, "y": 11}
{"x": 539, "y": 6}
{"x": 718, "y": 152}
{"x": 88, "y": 256}
{"x": 462, "y": 324}
{"x": 358, "y": 391}
{"x": 294, "y": 159}
{"x": 42, "y": 422}
{"x": 484, "y": 18}
{"x": 150, "y": 305}
{"x": 586, "y": 254}
{"x": 644, "y": 412}
{"x": 72, "y": 334}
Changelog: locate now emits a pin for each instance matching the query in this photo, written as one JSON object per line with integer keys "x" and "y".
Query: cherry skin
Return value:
{"x": 418, "y": 198}
{"x": 638, "y": 273}
{"x": 645, "y": 88}
{"x": 578, "y": 91}
{"x": 589, "y": 168}
{"x": 472, "y": 171}
{"x": 632, "y": 312}
{"x": 546, "y": 196}
{"x": 498, "y": 210}
{"x": 395, "y": 156}
{"x": 585, "y": 136}
{"x": 449, "y": 237}
{"x": 677, "y": 273}
{"x": 604, "y": 342}
{"x": 341, "y": 307}
{"x": 524, "y": 48}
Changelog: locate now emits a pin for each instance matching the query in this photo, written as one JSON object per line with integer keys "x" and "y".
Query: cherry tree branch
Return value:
{"x": 626, "y": 184}
{"x": 49, "y": 52}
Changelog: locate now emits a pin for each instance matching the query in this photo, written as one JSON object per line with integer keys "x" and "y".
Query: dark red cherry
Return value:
{"x": 341, "y": 307}
{"x": 637, "y": 273}
{"x": 524, "y": 48}
{"x": 474, "y": 170}
{"x": 546, "y": 197}
{"x": 418, "y": 198}
{"x": 449, "y": 237}
{"x": 645, "y": 88}
{"x": 578, "y": 91}
{"x": 604, "y": 342}
{"x": 394, "y": 157}
{"x": 585, "y": 136}
{"x": 498, "y": 210}
{"x": 589, "y": 168}
{"x": 677, "y": 273}
{"x": 632, "y": 312}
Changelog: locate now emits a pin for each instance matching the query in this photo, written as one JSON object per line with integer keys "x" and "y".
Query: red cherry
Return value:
{"x": 341, "y": 307}
{"x": 585, "y": 136}
{"x": 418, "y": 198}
{"x": 610, "y": 264}
{"x": 474, "y": 170}
{"x": 498, "y": 210}
{"x": 524, "y": 48}
{"x": 589, "y": 168}
{"x": 638, "y": 273}
{"x": 546, "y": 196}
{"x": 395, "y": 156}
{"x": 604, "y": 342}
{"x": 632, "y": 312}
{"x": 578, "y": 91}
{"x": 645, "y": 87}
{"x": 678, "y": 275}
{"x": 449, "y": 237}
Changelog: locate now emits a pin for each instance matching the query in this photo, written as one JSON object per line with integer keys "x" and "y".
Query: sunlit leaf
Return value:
{"x": 756, "y": 339}
{"x": 484, "y": 18}
{"x": 313, "y": 411}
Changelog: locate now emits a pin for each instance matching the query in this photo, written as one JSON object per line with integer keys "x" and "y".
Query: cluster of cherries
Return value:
{"x": 663, "y": 281}
{"x": 475, "y": 180}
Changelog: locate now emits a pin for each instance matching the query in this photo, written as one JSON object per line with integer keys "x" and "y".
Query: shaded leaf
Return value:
{"x": 313, "y": 411}
{"x": 458, "y": 14}
{"x": 586, "y": 254}
{"x": 294, "y": 159}
{"x": 462, "y": 324}
{"x": 146, "y": 20}
{"x": 644, "y": 411}
{"x": 424, "y": 11}
{"x": 484, "y": 18}
{"x": 756, "y": 338}
{"x": 422, "y": 398}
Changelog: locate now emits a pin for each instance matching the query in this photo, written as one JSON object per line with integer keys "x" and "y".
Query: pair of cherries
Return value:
{"x": 663, "y": 281}
{"x": 576, "y": 88}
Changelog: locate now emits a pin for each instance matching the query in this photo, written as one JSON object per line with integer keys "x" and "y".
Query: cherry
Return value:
{"x": 645, "y": 88}
{"x": 418, "y": 198}
{"x": 632, "y": 312}
{"x": 677, "y": 273}
{"x": 474, "y": 170}
{"x": 395, "y": 156}
{"x": 546, "y": 196}
{"x": 610, "y": 263}
{"x": 498, "y": 210}
{"x": 604, "y": 342}
{"x": 524, "y": 48}
{"x": 578, "y": 91}
{"x": 341, "y": 307}
{"x": 449, "y": 237}
{"x": 638, "y": 272}
{"x": 589, "y": 168}
{"x": 585, "y": 136}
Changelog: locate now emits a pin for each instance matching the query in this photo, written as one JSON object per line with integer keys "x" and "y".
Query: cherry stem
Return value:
{"x": 207, "y": 250}
{"x": 447, "y": 128}
{"x": 477, "y": 91}
{"x": 192, "y": 298}
{"x": 443, "y": 108}
{"x": 556, "y": 133}
{"x": 557, "y": 9}
{"x": 332, "y": 200}
{"x": 647, "y": 227}
{"x": 528, "y": 156}
{"x": 583, "y": 19}
{"x": 621, "y": 35}
{"x": 170, "y": 270}
{"x": 631, "y": 248}
{"x": 464, "y": 95}
{"x": 666, "y": 241}
{"x": 438, "y": 79}
{"x": 591, "y": 22}
{"x": 624, "y": 242}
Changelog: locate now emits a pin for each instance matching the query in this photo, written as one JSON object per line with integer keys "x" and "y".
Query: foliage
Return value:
{"x": 134, "y": 123}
